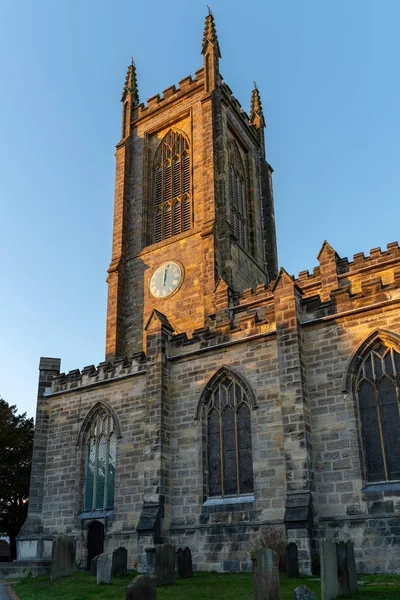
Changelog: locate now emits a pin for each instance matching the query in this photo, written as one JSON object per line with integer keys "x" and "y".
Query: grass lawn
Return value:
{"x": 216, "y": 586}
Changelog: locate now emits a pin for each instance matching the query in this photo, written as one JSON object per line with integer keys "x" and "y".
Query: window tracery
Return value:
{"x": 101, "y": 444}
{"x": 172, "y": 183}
{"x": 378, "y": 393}
{"x": 229, "y": 448}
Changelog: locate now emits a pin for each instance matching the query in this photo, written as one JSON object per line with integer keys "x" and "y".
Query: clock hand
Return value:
{"x": 165, "y": 274}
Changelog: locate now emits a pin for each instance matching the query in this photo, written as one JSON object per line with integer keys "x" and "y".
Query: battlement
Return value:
{"x": 348, "y": 272}
{"x": 107, "y": 370}
{"x": 237, "y": 107}
{"x": 185, "y": 86}
{"x": 229, "y": 331}
{"x": 376, "y": 257}
{"x": 170, "y": 94}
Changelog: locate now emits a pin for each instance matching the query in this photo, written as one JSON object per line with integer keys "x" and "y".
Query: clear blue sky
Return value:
{"x": 329, "y": 79}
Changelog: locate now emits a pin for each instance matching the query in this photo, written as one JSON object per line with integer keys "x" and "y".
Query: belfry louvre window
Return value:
{"x": 229, "y": 451}
{"x": 172, "y": 187}
{"x": 378, "y": 394}
{"x": 237, "y": 194}
{"x": 101, "y": 446}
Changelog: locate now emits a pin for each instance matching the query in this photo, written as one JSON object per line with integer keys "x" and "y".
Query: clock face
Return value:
{"x": 165, "y": 279}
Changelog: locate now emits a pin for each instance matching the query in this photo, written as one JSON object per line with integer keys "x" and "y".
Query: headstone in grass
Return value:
{"x": 342, "y": 571}
{"x": 165, "y": 564}
{"x": 184, "y": 560}
{"x": 104, "y": 565}
{"x": 291, "y": 560}
{"x": 304, "y": 593}
{"x": 265, "y": 574}
{"x": 329, "y": 570}
{"x": 141, "y": 588}
{"x": 119, "y": 561}
{"x": 351, "y": 569}
{"x": 62, "y": 557}
{"x": 151, "y": 564}
{"x": 93, "y": 565}
{"x": 346, "y": 565}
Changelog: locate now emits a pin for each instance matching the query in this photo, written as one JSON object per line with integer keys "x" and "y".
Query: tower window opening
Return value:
{"x": 172, "y": 206}
{"x": 237, "y": 195}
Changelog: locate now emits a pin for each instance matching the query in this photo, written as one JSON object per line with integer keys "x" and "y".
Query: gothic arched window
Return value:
{"x": 228, "y": 433}
{"x": 100, "y": 440}
{"x": 172, "y": 197}
{"x": 378, "y": 392}
{"x": 237, "y": 194}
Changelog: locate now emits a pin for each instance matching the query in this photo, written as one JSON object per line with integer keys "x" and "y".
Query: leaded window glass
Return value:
{"x": 229, "y": 452}
{"x": 172, "y": 207}
{"x": 237, "y": 195}
{"x": 101, "y": 446}
{"x": 378, "y": 391}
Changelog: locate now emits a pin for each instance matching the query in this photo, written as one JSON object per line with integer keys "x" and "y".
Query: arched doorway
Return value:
{"x": 95, "y": 541}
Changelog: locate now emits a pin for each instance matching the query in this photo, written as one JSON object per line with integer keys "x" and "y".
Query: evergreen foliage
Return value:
{"x": 16, "y": 443}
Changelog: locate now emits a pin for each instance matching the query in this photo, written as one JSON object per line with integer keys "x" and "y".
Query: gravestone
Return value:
{"x": 184, "y": 560}
{"x": 104, "y": 565}
{"x": 141, "y": 588}
{"x": 119, "y": 561}
{"x": 329, "y": 571}
{"x": 165, "y": 564}
{"x": 342, "y": 572}
{"x": 304, "y": 593}
{"x": 351, "y": 569}
{"x": 291, "y": 560}
{"x": 93, "y": 565}
{"x": 151, "y": 564}
{"x": 62, "y": 557}
{"x": 265, "y": 574}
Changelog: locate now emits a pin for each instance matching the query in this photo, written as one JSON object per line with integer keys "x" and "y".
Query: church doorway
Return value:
{"x": 95, "y": 541}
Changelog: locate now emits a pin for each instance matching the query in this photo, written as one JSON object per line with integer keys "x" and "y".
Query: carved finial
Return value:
{"x": 130, "y": 86}
{"x": 210, "y": 34}
{"x": 256, "y": 111}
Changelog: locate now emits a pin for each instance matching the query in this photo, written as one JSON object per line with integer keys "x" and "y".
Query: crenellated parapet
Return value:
{"x": 335, "y": 286}
{"x": 238, "y": 110}
{"x": 376, "y": 257}
{"x": 187, "y": 85}
{"x": 323, "y": 294}
{"x": 105, "y": 371}
{"x": 348, "y": 270}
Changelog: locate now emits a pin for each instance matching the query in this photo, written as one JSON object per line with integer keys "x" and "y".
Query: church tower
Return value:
{"x": 193, "y": 204}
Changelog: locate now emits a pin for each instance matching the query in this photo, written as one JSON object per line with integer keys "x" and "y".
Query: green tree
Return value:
{"x": 16, "y": 443}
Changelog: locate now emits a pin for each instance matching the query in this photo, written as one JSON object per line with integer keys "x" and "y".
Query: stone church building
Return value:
{"x": 233, "y": 397}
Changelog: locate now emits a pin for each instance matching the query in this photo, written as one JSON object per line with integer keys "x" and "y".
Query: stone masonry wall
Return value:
{"x": 164, "y": 426}
{"x": 225, "y": 532}
{"x": 64, "y": 478}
